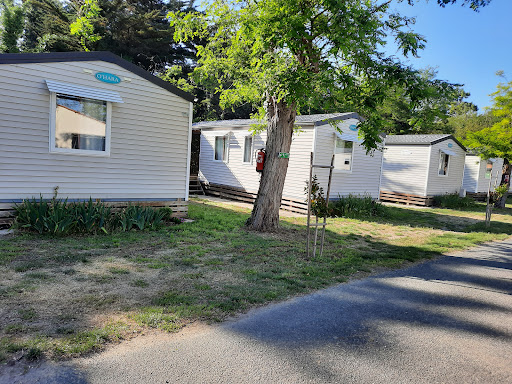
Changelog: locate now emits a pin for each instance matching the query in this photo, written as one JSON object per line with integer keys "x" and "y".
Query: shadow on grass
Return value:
{"x": 374, "y": 317}
{"x": 220, "y": 268}
{"x": 437, "y": 219}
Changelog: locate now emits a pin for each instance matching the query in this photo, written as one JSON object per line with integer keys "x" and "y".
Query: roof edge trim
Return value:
{"x": 109, "y": 57}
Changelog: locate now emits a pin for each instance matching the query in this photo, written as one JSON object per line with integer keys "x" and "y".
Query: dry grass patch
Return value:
{"x": 68, "y": 296}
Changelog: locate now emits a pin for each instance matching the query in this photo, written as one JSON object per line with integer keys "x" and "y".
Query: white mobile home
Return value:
{"x": 227, "y": 160}
{"x": 93, "y": 125}
{"x": 479, "y": 172}
{"x": 418, "y": 167}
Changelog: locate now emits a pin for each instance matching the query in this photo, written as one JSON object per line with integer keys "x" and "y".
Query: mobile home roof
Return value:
{"x": 420, "y": 139}
{"x": 318, "y": 119}
{"x": 56, "y": 57}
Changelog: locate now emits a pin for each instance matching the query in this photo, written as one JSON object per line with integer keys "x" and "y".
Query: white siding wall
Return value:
{"x": 242, "y": 175}
{"x": 471, "y": 173}
{"x": 497, "y": 173}
{"x": 364, "y": 176}
{"x": 474, "y": 174}
{"x": 452, "y": 182}
{"x": 149, "y": 143}
{"x": 404, "y": 169}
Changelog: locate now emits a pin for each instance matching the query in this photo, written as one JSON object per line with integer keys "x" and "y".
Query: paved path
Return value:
{"x": 444, "y": 321}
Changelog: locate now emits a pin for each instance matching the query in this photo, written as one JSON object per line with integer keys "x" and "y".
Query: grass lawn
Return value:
{"x": 63, "y": 297}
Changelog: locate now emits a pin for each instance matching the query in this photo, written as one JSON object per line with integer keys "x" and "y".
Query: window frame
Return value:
{"x": 441, "y": 153}
{"x": 71, "y": 151}
{"x": 336, "y": 137}
{"x": 251, "y": 151}
{"x": 226, "y": 148}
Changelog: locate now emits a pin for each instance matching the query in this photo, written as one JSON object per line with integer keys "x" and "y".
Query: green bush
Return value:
{"x": 353, "y": 206}
{"x": 57, "y": 216}
{"x": 138, "y": 217}
{"x": 453, "y": 201}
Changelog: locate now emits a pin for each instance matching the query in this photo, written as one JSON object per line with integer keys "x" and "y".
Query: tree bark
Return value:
{"x": 508, "y": 170}
{"x": 281, "y": 119}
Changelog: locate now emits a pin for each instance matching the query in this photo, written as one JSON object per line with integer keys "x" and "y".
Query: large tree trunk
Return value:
{"x": 281, "y": 119}
{"x": 508, "y": 170}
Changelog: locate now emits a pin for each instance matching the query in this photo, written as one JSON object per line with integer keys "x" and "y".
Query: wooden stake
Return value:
{"x": 309, "y": 200}
{"x": 327, "y": 206}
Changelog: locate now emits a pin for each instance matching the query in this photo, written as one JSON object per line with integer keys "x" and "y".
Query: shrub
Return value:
{"x": 41, "y": 216}
{"x": 356, "y": 207}
{"x": 318, "y": 202}
{"x": 453, "y": 201}
{"x": 60, "y": 217}
{"x": 138, "y": 217}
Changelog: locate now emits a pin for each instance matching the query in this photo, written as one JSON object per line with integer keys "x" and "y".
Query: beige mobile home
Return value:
{"x": 93, "y": 125}
{"x": 479, "y": 172}
{"x": 227, "y": 160}
{"x": 418, "y": 167}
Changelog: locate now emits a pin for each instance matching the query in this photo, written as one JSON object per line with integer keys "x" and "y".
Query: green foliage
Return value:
{"x": 318, "y": 202}
{"x": 55, "y": 217}
{"x": 328, "y": 56}
{"x": 421, "y": 105}
{"x": 47, "y": 27}
{"x": 58, "y": 217}
{"x": 83, "y": 25}
{"x": 501, "y": 190}
{"x": 465, "y": 120}
{"x": 138, "y": 217}
{"x": 92, "y": 216}
{"x": 496, "y": 140}
{"x": 352, "y": 206}
{"x": 453, "y": 201}
{"x": 11, "y": 26}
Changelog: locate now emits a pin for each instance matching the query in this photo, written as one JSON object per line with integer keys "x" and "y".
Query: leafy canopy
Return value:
{"x": 496, "y": 140}
{"x": 423, "y": 105}
{"x": 83, "y": 25}
{"x": 305, "y": 53}
{"x": 473, "y": 4}
{"x": 11, "y": 26}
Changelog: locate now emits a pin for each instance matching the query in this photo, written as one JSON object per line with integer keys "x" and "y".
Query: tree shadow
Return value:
{"x": 456, "y": 295}
{"x": 435, "y": 219}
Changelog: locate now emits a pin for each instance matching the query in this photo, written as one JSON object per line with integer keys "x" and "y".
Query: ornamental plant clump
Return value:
{"x": 58, "y": 217}
{"x": 351, "y": 206}
{"x": 355, "y": 206}
{"x": 453, "y": 201}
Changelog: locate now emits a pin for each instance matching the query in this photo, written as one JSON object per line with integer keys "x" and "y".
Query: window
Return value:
{"x": 80, "y": 118}
{"x": 343, "y": 152}
{"x": 80, "y": 123}
{"x": 221, "y": 148}
{"x": 443, "y": 164}
{"x": 248, "y": 149}
{"x": 488, "y": 170}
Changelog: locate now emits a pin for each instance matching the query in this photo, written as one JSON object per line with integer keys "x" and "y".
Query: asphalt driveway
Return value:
{"x": 443, "y": 321}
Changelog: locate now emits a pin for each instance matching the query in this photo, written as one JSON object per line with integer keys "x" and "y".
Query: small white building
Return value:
{"x": 418, "y": 167}
{"x": 93, "y": 125}
{"x": 227, "y": 160}
{"x": 479, "y": 172}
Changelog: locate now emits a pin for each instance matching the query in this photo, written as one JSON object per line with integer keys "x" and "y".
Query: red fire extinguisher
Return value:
{"x": 260, "y": 160}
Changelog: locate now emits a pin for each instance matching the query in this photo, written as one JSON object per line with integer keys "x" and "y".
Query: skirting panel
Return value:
{"x": 239, "y": 194}
{"x": 405, "y": 198}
